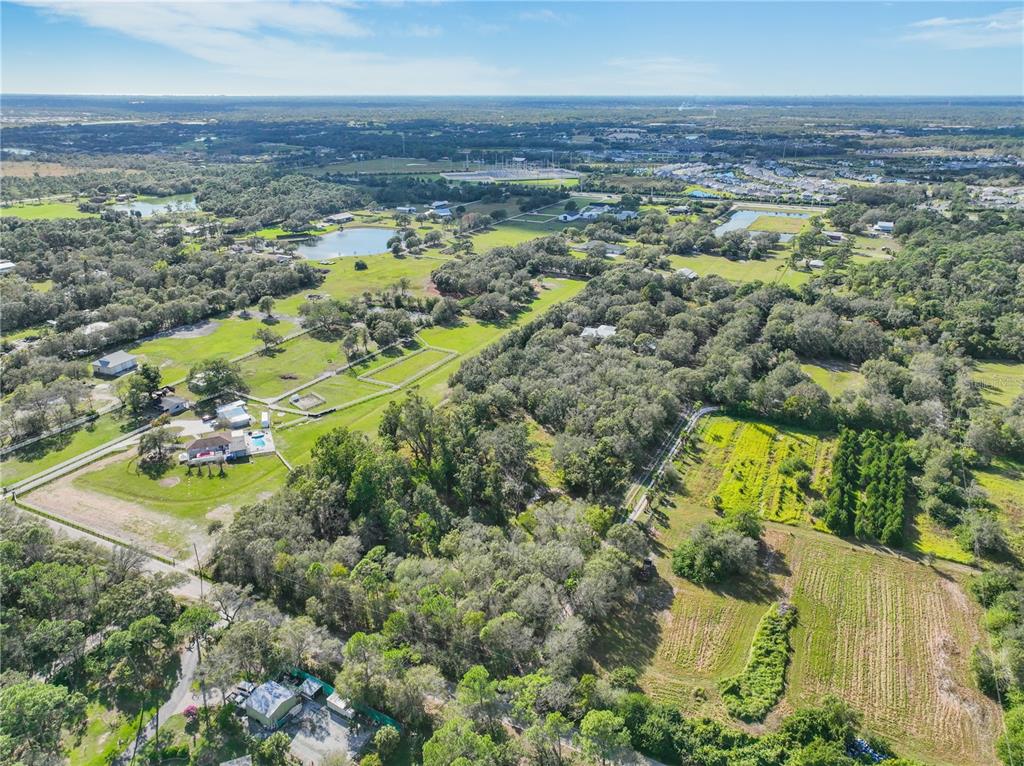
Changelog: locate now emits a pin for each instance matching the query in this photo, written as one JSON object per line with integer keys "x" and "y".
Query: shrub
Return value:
{"x": 713, "y": 553}
{"x": 750, "y": 695}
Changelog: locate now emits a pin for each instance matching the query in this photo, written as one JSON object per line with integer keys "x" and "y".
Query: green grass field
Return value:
{"x": 291, "y": 364}
{"x": 45, "y": 211}
{"x": 188, "y": 498}
{"x": 834, "y": 376}
{"x": 777, "y": 223}
{"x": 389, "y": 165}
{"x": 107, "y": 733}
{"x": 881, "y": 631}
{"x": 231, "y": 337}
{"x": 45, "y": 454}
{"x": 1001, "y": 381}
{"x": 399, "y": 372}
{"x": 342, "y": 389}
{"x": 774, "y": 269}
{"x": 1004, "y": 483}
{"x": 467, "y": 339}
{"x": 734, "y": 464}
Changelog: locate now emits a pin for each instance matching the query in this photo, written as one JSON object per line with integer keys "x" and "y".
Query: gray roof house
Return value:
{"x": 270, "y": 703}
{"x": 117, "y": 363}
{"x": 686, "y": 273}
{"x": 599, "y": 333}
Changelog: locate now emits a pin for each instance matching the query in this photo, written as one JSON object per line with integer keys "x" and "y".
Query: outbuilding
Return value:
{"x": 270, "y": 703}
{"x": 686, "y": 273}
{"x": 6, "y": 267}
{"x": 117, "y": 363}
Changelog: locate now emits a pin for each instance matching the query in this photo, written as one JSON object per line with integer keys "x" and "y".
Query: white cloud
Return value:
{"x": 998, "y": 30}
{"x": 545, "y": 15}
{"x": 270, "y": 48}
{"x": 423, "y": 30}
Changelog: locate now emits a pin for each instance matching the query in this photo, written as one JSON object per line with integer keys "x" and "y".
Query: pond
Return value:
{"x": 346, "y": 243}
{"x": 741, "y": 220}
{"x": 178, "y": 203}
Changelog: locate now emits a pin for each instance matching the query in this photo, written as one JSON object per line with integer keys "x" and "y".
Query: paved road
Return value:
{"x": 637, "y": 495}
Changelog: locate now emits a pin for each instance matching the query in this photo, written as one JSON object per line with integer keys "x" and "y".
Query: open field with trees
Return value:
{"x": 773, "y": 269}
{"x": 56, "y": 449}
{"x": 40, "y": 211}
{"x": 1001, "y": 381}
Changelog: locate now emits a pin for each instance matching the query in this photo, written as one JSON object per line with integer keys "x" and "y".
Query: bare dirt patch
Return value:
{"x": 170, "y": 481}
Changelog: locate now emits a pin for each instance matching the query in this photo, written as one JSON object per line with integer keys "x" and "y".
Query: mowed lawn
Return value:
{"x": 399, "y": 372}
{"x": 230, "y": 337}
{"x": 50, "y": 452}
{"x": 188, "y": 498}
{"x": 45, "y": 211}
{"x": 1001, "y": 381}
{"x": 778, "y": 223}
{"x": 1003, "y": 480}
{"x": 343, "y": 388}
{"x": 291, "y": 364}
{"x": 734, "y": 464}
{"x": 774, "y": 269}
{"x": 834, "y": 376}
{"x": 468, "y": 339}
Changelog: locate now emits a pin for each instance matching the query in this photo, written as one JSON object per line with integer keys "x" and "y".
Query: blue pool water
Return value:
{"x": 259, "y": 440}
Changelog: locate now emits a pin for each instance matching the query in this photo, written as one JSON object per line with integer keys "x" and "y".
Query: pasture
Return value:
{"x": 399, "y": 372}
{"x": 175, "y": 352}
{"x": 291, "y": 364}
{"x": 1001, "y": 381}
{"x": 54, "y": 450}
{"x": 1003, "y": 480}
{"x": 38, "y": 211}
{"x": 773, "y": 270}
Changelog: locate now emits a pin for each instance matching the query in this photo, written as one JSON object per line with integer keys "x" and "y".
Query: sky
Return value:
{"x": 288, "y": 47}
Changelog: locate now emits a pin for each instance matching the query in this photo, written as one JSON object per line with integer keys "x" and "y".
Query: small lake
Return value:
{"x": 179, "y": 203}
{"x": 742, "y": 219}
{"x": 346, "y": 243}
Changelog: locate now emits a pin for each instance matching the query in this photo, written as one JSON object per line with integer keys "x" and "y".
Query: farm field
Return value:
{"x": 834, "y": 376}
{"x": 881, "y": 631}
{"x": 49, "y": 452}
{"x": 45, "y": 211}
{"x": 343, "y": 388}
{"x": 775, "y": 269}
{"x": 230, "y": 337}
{"x": 1001, "y": 381}
{"x": 396, "y": 373}
{"x": 780, "y": 224}
{"x": 734, "y": 464}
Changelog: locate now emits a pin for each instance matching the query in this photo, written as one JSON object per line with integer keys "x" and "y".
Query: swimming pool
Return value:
{"x": 259, "y": 440}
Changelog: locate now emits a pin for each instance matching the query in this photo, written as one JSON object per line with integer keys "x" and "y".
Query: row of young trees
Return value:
{"x": 868, "y": 486}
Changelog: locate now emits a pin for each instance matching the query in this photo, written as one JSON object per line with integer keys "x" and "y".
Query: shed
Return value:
{"x": 687, "y": 273}
{"x": 6, "y": 266}
{"x": 270, "y": 703}
{"x": 341, "y": 706}
{"x": 115, "y": 364}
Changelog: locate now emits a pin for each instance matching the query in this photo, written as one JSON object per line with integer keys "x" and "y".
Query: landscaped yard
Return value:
{"x": 184, "y": 496}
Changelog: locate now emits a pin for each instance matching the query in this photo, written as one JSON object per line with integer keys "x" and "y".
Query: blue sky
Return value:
{"x": 279, "y": 47}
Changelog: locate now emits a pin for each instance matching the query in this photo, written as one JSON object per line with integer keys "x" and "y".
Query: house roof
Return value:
{"x": 116, "y": 358}
{"x": 213, "y": 441}
{"x": 168, "y": 401}
{"x": 267, "y": 698}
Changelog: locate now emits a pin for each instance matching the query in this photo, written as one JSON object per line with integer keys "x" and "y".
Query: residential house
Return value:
{"x": 208, "y": 449}
{"x": 340, "y": 218}
{"x": 687, "y": 273}
{"x": 270, "y": 703}
{"x": 117, "y": 363}
{"x": 564, "y": 217}
{"x": 884, "y": 227}
{"x": 834, "y": 236}
{"x": 603, "y": 248}
{"x": 407, "y": 209}
{"x": 6, "y": 267}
